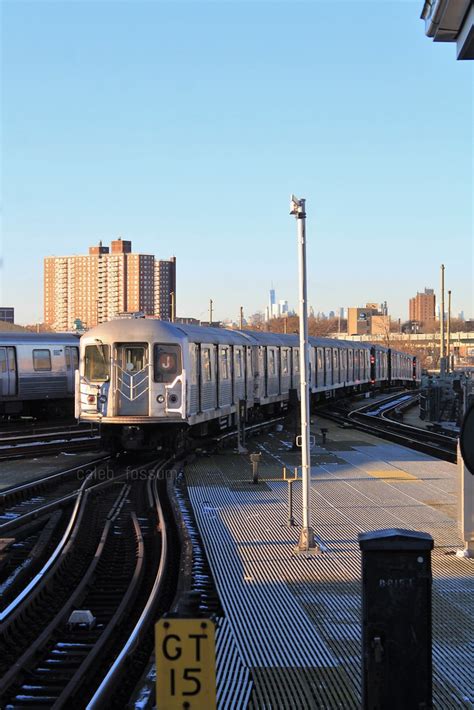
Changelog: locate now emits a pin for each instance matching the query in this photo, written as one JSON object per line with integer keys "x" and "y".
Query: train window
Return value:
{"x": 296, "y": 360}
{"x": 3, "y": 360}
{"x": 284, "y": 362}
{"x": 97, "y": 363}
{"x": 167, "y": 362}
{"x": 75, "y": 357}
{"x": 225, "y": 363}
{"x": 335, "y": 357}
{"x": 271, "y": 362}
{"x": 42, "y": 360}
{"x": 206, "y": 364}
{"x": 238, "y": 363}
{"x": 328, "y": 359}
{"x": 320, "y": 359}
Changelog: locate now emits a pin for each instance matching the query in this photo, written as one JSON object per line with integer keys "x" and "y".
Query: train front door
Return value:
{"x": 8, "y": 380}
{"x": 133, "y": 379}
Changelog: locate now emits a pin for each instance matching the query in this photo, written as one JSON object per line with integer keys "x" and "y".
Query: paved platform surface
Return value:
{"x": 295, "y": 623}
{"x": 18, "y": 471}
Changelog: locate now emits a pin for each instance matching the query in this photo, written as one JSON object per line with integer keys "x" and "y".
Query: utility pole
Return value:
{"x": 442, "y": 362}
{"x": 241, "y": 318}
{"x": 306, "y": 542}
{"x": 210, "y": 311}
{"x": 448, "y": 335}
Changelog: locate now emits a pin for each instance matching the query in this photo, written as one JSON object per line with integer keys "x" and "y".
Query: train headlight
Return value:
{"x": 160, "y": 399}
{"x": 90, "y": 398}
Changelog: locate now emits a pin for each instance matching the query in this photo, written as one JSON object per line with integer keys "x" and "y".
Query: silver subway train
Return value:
{"x": 149, "y": 381}
{"x": 37, "y": 373}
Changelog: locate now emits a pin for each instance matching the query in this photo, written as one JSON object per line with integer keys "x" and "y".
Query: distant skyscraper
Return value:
{"x": 97, "y": 287}
{"x": 282, "y": 308}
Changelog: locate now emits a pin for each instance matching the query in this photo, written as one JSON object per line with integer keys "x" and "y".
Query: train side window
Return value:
{"x": 206, "y": 364}
{"x": 284, "y": 362}
{"x": 3, "y": 360}
{"x": 271, "y": 362}
{"x": 75, "y": 357}
{"x": 296, "y": 359}
{"x": 238, "y": 364}
{"x": 42, "y": 360}
{"x": 249, "y": 363}
{"x": 167, "y": 362}
{"x": 97, "y": 363}
{"x": 320, "y": 359}
{"x": 225, "y": 363}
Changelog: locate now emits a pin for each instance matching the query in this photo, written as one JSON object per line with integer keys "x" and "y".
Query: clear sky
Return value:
{"x": 185, "y": 126}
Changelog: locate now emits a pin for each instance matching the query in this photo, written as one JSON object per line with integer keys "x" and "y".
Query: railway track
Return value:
{"x": 373, "y": 419}
{"x": 47, "y": 440}
{"x": 113, "y": 566}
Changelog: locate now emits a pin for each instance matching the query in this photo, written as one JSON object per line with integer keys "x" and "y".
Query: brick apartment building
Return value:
{"x": 98, "y": 286}
{"x": 422, "y": 307}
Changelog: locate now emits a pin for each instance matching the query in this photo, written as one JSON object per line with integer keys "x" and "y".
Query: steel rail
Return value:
{"x": 14, "y": 491}
{"x": 114, "y": 623}
{"x": 102, "y": 695}
{"x": 66, "y": 542}
{"x": 9, "y": 677}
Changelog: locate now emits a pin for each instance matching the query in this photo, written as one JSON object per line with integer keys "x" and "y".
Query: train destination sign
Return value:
{"x": 185, "y": 664}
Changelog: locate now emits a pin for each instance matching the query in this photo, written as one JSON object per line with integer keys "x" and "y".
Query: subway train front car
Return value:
{"x": 131, "y": 380}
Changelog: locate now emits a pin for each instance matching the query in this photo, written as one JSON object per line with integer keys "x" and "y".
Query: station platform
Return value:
{"x": 291, "y": 635}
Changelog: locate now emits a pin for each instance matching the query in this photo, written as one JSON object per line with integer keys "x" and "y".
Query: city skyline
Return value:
{"x": 122, "y": 124}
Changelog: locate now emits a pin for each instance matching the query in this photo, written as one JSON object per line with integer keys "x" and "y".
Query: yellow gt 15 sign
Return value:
{"x": 185, "y": 664}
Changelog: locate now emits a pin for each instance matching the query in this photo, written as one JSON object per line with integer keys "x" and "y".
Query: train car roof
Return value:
{"x": 262, "y": 337}
{"x": 203, "y": 334}
{"x": 16, "y": 338}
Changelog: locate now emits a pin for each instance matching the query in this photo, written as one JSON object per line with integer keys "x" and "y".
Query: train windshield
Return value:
{"x": 167, "y": 362}
{"x": 97, "y": 363}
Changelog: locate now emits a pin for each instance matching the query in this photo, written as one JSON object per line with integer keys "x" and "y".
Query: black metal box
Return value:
{"x": 396, "y": 619}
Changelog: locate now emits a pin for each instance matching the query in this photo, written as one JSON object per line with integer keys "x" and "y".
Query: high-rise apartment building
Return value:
{"x": 98, "y": 286}
{"x": 165, "y": 288}
{"x": 422, "y": 307}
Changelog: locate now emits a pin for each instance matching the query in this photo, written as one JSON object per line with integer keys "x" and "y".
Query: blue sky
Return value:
{"x": 185, "y": 126}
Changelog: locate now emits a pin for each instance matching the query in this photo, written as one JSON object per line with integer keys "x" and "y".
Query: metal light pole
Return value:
{"x": 448, "y": 335}
{"x": 306, "y": 542}
{"x": 241, "y": 318}
{"x": 210, "y": 312}
{"x": 442, "y": 362}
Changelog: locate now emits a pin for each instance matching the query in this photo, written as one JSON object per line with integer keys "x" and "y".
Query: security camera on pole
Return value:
{"x": 306, "y": 542}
